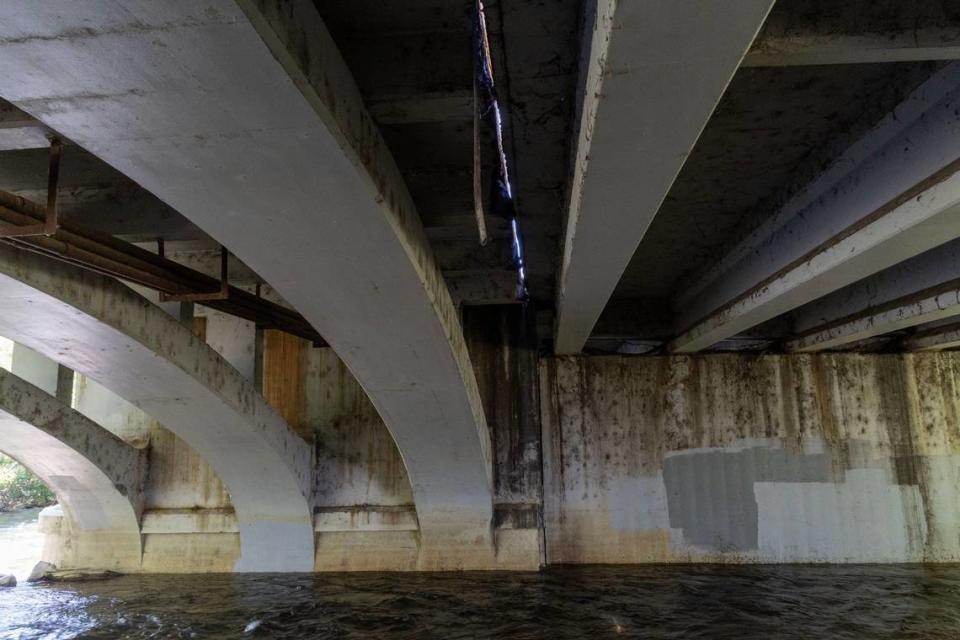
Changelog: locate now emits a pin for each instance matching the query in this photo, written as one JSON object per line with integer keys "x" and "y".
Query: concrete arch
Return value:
{"x": 102, "y": 329}
{"x": 259, "y": 135}
{"x": 97, "y": 477}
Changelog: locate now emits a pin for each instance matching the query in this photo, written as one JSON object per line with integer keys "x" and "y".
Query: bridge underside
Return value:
{"x": 687, "y": 290}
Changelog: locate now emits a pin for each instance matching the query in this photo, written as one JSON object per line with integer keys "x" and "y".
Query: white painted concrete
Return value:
{"x": 882, "y": 202}
{"x": 654, "y": 74}
{"x": 98, "y": 479}
{"x": 35, "y": 368}
{"x": 233, "y": 338}
{"x": 112, "y": 412}
{"x": 103, "y": 330}
{"x": 219, "y": 120}
{"x": 815, "y": 520}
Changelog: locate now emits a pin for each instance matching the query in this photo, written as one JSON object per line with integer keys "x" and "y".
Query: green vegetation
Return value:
{"x": 20, "y": 489}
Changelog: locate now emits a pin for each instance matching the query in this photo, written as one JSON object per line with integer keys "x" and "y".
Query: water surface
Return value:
{"x": 21, "y": 542}
{"x": 595, "y": 602}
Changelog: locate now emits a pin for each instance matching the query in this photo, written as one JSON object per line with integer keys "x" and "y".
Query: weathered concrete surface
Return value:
{"x": 947, "y": 337}
{"x": 652, "y": 75}
{"x": 258, "y": 135}
{"x": 112, "y": 412}
{"x": 824, "y": 458}
{"x": 918, "y": 291}
{"x": 104, "y": 330}
{"x": 98, "y": 478}
{"x": 811, "y": 33}
{"x": 503, "y": 349}
{"x": 892, "y": 195}
{"x": 364, "y": 516}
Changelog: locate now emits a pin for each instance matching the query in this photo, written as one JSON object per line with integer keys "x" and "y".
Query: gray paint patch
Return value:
{"x": 710, "y": 495}
{"x": 637, "y": 503}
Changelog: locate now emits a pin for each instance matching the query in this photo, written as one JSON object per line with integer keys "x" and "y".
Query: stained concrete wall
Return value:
{"x": 727, "y": 458}
{"x": 188, "y": 521}
{"x": 732, "y": 458}
{"x": 503, "y": 349}
{"x": 365, "y": 514}
{"x": 365, "y": 517}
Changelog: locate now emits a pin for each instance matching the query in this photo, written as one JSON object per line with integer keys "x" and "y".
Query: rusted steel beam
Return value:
{"x": 107, "y": 255}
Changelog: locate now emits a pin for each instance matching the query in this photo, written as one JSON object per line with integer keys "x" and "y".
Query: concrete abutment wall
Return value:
{"x": 733, "y": 458}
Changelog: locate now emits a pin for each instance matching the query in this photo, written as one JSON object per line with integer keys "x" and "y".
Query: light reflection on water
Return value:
{"x": 20, "y": 542}
{"x": 594, "y": 602}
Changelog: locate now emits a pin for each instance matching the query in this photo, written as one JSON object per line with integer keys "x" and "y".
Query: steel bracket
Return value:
{"x": 51, "y": 223}
{"x": 222, "y": 294}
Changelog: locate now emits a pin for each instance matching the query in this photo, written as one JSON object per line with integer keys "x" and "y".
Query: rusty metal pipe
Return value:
{"x": 109, "y": 256}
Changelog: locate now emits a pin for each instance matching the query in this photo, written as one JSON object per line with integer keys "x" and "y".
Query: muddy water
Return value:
{"x": 610, "y": 602}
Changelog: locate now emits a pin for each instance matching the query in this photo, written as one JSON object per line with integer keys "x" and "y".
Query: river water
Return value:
{"x": 20, "y": 543}
{"x": 769, "y": 602}
{"x": 597, "y": 602}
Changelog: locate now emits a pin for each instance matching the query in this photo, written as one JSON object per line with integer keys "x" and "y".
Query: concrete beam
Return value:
{"x": 653, "y": 73}
{"x": 892, "y": 195}
{"x": 97, "y": 477}
{"x": 935, "y": 339}
{"x": 183, "y": 98}
{"x": 786, "y": 49}
{"x": 100, "y": 328}
{"x": 917, "y": 291}
{"x": 928, "y": 306}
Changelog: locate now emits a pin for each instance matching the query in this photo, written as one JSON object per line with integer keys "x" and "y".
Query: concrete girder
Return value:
{"x": 654, "y": 73}
{"x": 802, "y": 49}
{"x": 97, "y": 477}
{"x": 936, "y": 339}
{"x": 100, "y": 328}
{"x": 892, "y": 195}
{"x": 901, "y": 314}
{"x": 184, "y": 98}
{"x": 917, "y": 291}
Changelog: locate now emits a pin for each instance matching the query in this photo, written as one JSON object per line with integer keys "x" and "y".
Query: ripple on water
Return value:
{"x": 595, "y": 602}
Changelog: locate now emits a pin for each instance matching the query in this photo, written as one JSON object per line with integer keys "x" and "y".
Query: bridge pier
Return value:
{"x": 98, "y": 478}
